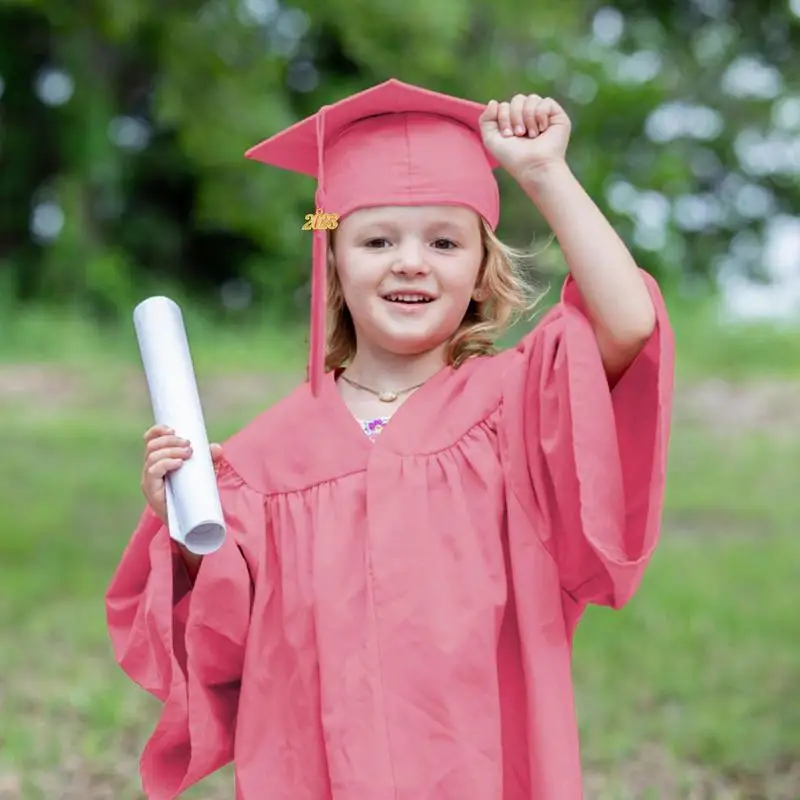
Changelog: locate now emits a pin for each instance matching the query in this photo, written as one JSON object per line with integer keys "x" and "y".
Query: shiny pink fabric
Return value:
{"x": 392, "y": 620}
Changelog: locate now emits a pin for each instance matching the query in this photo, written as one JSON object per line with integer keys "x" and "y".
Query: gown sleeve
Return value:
{"x": 183, "y": 641}
{"x": 588, "y": 461}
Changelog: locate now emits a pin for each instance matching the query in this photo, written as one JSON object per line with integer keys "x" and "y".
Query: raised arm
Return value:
{"x": 529, "y": 137}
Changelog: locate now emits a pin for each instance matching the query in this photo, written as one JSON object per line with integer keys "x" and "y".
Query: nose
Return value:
{"x": 410, "y": 259}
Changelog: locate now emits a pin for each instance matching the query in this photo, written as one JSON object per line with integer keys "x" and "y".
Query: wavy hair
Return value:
{"x": 505, "y": 297}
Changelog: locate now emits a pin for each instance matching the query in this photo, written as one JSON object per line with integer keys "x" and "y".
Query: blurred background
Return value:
{"x": 123, "y": 125}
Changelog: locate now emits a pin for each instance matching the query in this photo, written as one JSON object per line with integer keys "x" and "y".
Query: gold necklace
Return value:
{"x": 383, "y": 396}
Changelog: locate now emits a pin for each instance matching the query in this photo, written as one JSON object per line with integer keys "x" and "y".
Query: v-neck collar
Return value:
{"x": 350, "y": 425}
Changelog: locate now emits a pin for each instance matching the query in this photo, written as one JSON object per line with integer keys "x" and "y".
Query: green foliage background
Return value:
{"x": 145, "y": 156}
{"x": 123, "y": 125}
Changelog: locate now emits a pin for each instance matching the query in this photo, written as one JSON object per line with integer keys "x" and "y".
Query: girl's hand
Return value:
{"x": 164, "y": 453}
{"x": 526, "y": 134}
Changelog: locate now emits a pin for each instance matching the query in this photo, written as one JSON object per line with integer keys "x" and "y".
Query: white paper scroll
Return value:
{"x": 194, "y": 510}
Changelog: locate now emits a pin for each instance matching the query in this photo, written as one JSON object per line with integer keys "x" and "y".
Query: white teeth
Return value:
{"x": 407, "y": 298}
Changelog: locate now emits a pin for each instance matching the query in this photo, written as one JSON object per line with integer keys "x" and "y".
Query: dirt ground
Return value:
{"x": 724, "y": 406}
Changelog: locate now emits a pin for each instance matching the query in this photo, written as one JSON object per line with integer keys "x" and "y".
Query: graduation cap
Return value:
{"x": 394, "y": 144}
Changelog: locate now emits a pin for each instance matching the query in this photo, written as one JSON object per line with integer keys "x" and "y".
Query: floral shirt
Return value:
{"x": 373, "y": 427}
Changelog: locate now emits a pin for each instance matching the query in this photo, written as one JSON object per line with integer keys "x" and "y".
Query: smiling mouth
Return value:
{"x": 408, "y": 299}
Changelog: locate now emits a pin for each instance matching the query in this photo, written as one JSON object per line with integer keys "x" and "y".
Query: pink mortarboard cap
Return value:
{"x": 394, "y": 144}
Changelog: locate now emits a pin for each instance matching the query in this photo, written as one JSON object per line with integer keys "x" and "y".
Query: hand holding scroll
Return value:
{"x": 164, "y": 453}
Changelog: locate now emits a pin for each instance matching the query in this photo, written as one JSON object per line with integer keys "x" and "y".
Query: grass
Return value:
{"x": 41, "y": 335}
{"x": 692, "y": 685}
{"x": 703, "y": 661}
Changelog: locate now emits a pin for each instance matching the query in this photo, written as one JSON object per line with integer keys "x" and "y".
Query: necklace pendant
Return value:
{"x": 387, "y": 397}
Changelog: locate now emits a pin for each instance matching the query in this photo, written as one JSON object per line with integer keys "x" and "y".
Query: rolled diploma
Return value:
{"x": 194, "y": 511}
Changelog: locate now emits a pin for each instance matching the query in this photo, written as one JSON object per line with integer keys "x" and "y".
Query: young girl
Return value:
{"x": 414, "y": 533}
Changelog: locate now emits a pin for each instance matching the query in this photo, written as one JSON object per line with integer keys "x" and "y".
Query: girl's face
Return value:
{"x": 408, "y": 274}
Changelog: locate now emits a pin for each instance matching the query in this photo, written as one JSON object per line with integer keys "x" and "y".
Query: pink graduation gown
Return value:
{"x": 393, "y": 620}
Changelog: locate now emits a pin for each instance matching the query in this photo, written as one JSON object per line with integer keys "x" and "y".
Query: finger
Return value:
{"x": 164, "y": 442}
{"x": 543, "y": 113}
{"x": 157, "y": 430}
{"x": 170, "y": 453}
{"x": 504, "y": 119}
{"x": 555, "y": 109}
{"x": 517, "y": 106}
{"x": 532, "y": 102}
{"x": 490, "y": 112}
{"x": 216, "y": 452}
{"x": 161, "y": 469}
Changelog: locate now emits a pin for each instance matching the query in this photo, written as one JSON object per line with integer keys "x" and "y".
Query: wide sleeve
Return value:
{"x": 184, "y": 642}
{"x": 588, "y": 461}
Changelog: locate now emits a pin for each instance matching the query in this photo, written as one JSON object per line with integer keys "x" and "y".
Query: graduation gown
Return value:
{"x": 393, "y": 620}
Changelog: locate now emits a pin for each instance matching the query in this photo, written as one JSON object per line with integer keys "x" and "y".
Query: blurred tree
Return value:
{"x": 124, "y": 122}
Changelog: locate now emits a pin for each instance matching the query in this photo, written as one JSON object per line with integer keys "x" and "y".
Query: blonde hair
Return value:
{"x": 504, "y": 297}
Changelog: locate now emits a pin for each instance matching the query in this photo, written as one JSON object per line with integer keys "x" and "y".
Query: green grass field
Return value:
{"x": 690, "y": 692}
